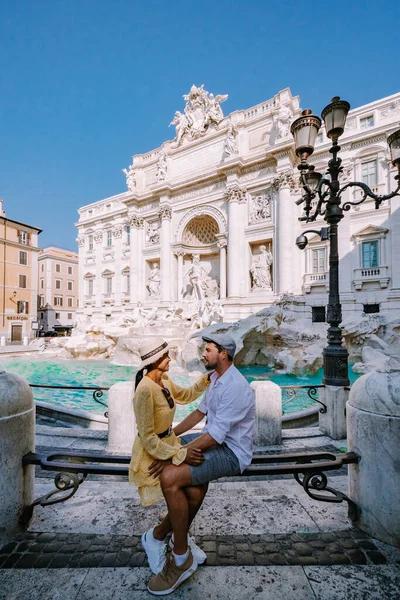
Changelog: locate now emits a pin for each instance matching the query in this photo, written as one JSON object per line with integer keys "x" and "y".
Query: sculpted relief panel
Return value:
{"x": 259, "y": 207}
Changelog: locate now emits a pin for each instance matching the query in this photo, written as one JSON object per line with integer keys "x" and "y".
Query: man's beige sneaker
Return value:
{"x": 172, "y": 576}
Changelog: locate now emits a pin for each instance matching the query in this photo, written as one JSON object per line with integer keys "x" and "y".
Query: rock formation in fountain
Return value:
{"x": 277, "y": 337}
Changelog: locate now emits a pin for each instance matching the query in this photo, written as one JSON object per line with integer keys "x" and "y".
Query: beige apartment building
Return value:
{"x": 18, "y": 280}
{"x": 58, "y": 289}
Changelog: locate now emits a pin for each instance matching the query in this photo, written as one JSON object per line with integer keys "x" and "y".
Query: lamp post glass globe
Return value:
{"x": 394, "y": 145}
{"x": 305, "y": 130}
{"x": 334, "y": 116}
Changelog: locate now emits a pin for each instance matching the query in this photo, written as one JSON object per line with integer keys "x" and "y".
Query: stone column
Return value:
{"x": 17, "y": 437}
{"x": 135, "y": 223}
{"x": 333, "y": 421}
{"x": 285, "y": 238}
{"x": 236, "y": 197}
{"x": 81, "y": 262}
{"x": 141, "y": 264}
{"x": 98, "y": 282}
{"x": 373, "y": 424}
{"x": 180, "y": 254}
{"x": 222, "y": 268}
{"x": 117, "y": 240}
{"x": 165, "y": 258}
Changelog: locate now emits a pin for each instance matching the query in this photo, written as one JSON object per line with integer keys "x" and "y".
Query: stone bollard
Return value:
{"x": 333, "y": 422}
{"x": 2, "y": 341}
{"x": 373, "y": 425}
{"x": 25, "y": 340}
{"x": 121, "y": 418}
{"x": 268, "y": 425}
{"x": 17, "y": 437}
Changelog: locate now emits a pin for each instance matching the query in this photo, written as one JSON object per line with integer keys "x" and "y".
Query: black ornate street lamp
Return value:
{"x": 328, "y": 194}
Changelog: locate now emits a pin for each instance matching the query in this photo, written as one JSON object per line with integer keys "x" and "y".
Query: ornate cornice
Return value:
{"x": 285, "y": 180}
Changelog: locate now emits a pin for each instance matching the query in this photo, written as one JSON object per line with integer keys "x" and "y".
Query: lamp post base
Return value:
{"x": 336, "y": 366}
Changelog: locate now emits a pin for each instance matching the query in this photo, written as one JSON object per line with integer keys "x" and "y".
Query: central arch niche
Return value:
{"x": 200, "y": 231}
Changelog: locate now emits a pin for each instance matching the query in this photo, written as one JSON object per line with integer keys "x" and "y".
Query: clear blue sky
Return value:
{"x": 85, "y": 84}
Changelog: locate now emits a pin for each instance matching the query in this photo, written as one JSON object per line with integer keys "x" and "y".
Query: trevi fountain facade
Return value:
{"x": 205, "y": 234}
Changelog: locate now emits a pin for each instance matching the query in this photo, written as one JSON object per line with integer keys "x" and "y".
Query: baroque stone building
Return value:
{"x": 211, "y": 217}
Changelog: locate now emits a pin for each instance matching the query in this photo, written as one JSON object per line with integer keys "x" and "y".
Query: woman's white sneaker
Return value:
{"x": 155, "y": 551}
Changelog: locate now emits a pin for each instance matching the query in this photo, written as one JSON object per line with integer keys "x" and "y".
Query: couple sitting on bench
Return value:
{"x": 179, "y": 469}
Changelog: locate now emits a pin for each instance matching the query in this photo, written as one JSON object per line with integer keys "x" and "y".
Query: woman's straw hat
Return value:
{"x": 151, "y": 350}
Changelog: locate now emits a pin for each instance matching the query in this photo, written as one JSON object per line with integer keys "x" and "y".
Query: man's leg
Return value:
{"x": 195, "y": 495}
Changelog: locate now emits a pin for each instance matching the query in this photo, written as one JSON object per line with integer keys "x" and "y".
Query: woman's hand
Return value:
{"x": 157, "y": 467}
{"x": 194, "y": 456}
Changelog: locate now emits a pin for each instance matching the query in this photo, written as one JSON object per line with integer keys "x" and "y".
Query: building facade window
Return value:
{"x": 41, "y": 284}
{"x": 41, "y": 315}
{"x": 42, "y": 267}
{"x": 57, "y": 316}
{"x": 22, "y": 281}
{"x": 90, "y": 243}
{"x": 370, "y": 309}
{"x": 58, "y": 301}
{"x": 318, "y": 314}
{"x": 109, "y": 238}
{"x": 70, "y": 286}
{"x": 90, "y": 287}
{"x": 318, "y": 256}
{"x": 22, "y": 307}
{"x": 70, "y": 302}
{"x": 127, "y": 283}
{"x": 127, "y": 234}
{"x": 23, "y": 237}
{"x": 370, "y": 256}
{"x": 367, "y": 122}
{"x": 369, "y": 173}
{"x": 41, "y": 301}
{"x": 69, "y": 270}
{"x": 58, "y": 268}
{"x": 69, "y": 316}
{"x": 109, "y": 282}
{"x": 58, "y": 284}
{"x": 23, "y": 257}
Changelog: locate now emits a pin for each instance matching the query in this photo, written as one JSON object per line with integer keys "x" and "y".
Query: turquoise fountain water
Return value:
{"x": 104, "y": 374}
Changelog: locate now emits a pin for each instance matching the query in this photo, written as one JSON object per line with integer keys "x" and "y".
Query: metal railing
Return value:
{"x": 97, "y": 391}
{"x": 292, "y": 392}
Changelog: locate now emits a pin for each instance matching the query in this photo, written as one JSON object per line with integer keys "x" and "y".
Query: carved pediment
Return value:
{"x": 89, "y": 275}
{"x": 107, "y": 273}
{"x": 370, "y": 230}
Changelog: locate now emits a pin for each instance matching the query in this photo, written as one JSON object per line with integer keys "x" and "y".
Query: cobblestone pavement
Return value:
{"x": 52, "y": 550}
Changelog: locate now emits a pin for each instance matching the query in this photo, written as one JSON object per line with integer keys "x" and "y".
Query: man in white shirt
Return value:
{"x": 225, "y": 443}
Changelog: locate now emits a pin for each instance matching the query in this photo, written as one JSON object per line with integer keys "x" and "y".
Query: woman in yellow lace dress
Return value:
{"x": 154, "y": 402}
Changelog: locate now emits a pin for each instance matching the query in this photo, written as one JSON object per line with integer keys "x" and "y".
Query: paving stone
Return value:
{"x": 87, "y": 560}
{"x": 209, "y": 546}
{"x": 348, "y": 544}
{"x": 267, "y": 537}
{"x": 307, "y": 560}
{"x": 60, "y": 561}
{"x": 227, "y": 560}
{"x": 46, "y": 537}
{"x": 224, "y": 550}
{"x": 10, "y": 561}
{"x": 108, "y": 559}
{"x": 328, "y": 537}
{"x": 137, "y": 560}
{"x": 277, "y": 559}
{"x": 376, "y": 557}
{"x": 357, "y": 557}
{"x": 65, "y": 548}
{"x": 242, "y": 547}
{"x": 302, "y": 549}
{"x": 244, "y": 558}
{"x": 262, "y": 559}
{"x": 340, "y": 559}
{"x": 272, "y": 547}
{"x": 42, "y": 561}
{"x": 334, "y": 548}
{"x": 322, "y": 557}
{"x": 257, "y": 548}
{"x": 51, "y": 548}
{"x": 9, "y": 548}
{"x": 317, "y": 544}
{"x": 27, "y": 561}
{"x": 212, "y": 559}
{"x": 367, "y": 545}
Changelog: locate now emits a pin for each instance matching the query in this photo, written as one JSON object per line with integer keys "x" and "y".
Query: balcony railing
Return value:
{"x": 371, "y": 275}
{"x": 378, "y": 189}
{"x": 315, "y": 279}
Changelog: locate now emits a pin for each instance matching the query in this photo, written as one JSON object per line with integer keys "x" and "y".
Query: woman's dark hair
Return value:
{"x": 140, "y": 374}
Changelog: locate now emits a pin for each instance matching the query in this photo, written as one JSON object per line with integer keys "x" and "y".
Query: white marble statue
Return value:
{"x": 202, "y": 110}
{"x": 152, "y": 233}
{"x": 197, "y": 277}
{"x": 162, "y": 167}
{"x": 230, "y": 146}
{"x": 261, "y": 270}
{"x": 282, "y": 117}
{"x": 130, "y": 175}
{"x": 154, "y": 282}
{"x": 174, "y": 313}
{"x": 260, "y": 208}
{"x": 217, "y": 312}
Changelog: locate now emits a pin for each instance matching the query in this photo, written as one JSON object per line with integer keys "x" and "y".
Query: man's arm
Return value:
{"x": 203, "y": 442}
{"x": 189, "y": 422}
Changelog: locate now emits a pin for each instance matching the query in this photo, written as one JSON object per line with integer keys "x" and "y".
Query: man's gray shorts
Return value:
{"x": 220, "y": 461}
